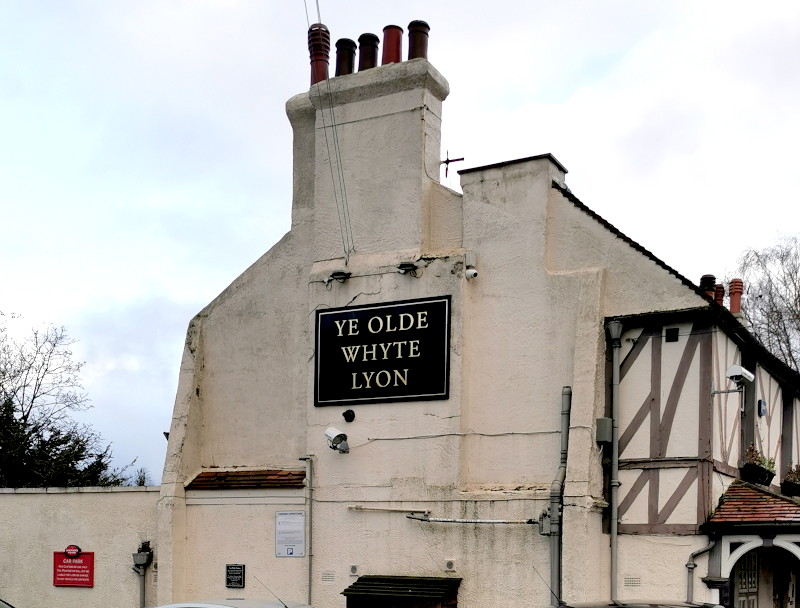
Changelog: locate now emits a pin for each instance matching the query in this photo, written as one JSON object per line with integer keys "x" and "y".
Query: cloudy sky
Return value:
{"x": 145, "y": 153}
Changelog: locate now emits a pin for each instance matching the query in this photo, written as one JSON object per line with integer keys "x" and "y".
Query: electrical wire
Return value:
{"x": 468, "y": 434}
{"x": 337, "y": 177}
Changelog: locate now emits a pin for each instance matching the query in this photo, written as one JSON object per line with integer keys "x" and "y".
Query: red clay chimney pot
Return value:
{"x": 707, "y": 284}
{"x": 367, "y": 51}
{"x": 392, "y": 44}
{"x": 319, "y": 47}
{"x": 418, "y": 32}
{"x": 345, "y": 56}
{"x": 719, "y": 293}
{"x": 735, "y": 290}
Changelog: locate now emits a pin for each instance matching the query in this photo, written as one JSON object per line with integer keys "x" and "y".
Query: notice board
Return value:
{"x": 73, "y": 571}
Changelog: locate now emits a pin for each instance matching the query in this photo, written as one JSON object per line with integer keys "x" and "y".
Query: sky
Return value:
{"x": 145, "y": 154}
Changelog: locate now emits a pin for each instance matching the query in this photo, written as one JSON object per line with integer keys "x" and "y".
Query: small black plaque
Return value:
{"x": 397, "y": 351}
{"x": 234, "y": 576}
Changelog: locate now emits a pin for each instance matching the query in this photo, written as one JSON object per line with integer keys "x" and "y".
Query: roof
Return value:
{"x": 431, "y": 587}
{"x": 721, "y": 316}
{"x": 567, "y": 193}
{"x": 506, "y": 163}
{"x": 241, "y": 480}
{"x": 747, "y": 505}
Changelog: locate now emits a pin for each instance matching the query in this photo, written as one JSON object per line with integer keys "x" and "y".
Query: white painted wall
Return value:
{"x": 531, "y": 323}
{"x": 111, "y": 522}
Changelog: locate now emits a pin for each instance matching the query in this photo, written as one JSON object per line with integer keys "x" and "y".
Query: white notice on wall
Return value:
{"x": 290, "y": 534}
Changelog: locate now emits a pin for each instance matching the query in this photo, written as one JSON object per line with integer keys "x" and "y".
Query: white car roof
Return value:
{"x": 237, "y": 603}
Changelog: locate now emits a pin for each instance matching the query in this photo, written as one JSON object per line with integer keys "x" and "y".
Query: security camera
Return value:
{"x": 471, "y": 273}
{"x": 337, "y": 440}
{"x": 740, "y": 375}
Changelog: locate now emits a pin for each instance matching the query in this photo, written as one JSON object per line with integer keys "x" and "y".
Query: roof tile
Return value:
{"x": 744, "y": 502}
{"x": 241, "y": 480}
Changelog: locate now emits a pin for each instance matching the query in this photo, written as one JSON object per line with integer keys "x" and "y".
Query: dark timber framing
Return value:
{"x": 698, "y": 467}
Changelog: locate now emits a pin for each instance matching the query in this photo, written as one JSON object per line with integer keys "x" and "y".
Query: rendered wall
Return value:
{"x": 530, "y": 324}
{"x": 111, "y": 522}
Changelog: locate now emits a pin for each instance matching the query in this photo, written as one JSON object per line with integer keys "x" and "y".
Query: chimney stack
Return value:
{"x": 319, "y": 47}
{"x": 384, "y": 144}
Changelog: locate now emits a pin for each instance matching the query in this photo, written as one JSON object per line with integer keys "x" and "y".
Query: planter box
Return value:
{"x": 755, "y": 473}
{"x": 790, "y": 488}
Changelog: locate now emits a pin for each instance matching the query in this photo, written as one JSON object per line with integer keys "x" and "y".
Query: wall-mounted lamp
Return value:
{"x": 407, "y": 268}
{"x": 337, "y": 440}
{"x": 339, "y": 276}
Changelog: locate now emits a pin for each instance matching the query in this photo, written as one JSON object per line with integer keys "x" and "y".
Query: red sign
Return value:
{"x": 72, "y": 551}
{"x": 73, "y": 569}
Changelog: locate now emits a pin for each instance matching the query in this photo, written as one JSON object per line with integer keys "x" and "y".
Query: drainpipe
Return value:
{"x": 557, "y": 501}
{"x": 615, "y": 332}
{"x": 690, "y": 566}
{"x": 309, "y": 460}
{"x": 141, "y": 559}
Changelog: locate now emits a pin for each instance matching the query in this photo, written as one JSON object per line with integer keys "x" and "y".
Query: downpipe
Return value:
{"x": 309, "y": 460}
{"x": 557, "y": 501}
{"x": 141, "y": 560}
{"x": 615, "y": 333}
{"x": 690, "y": 566}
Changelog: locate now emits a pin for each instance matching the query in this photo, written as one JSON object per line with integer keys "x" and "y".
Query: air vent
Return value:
{"x": 328, "y": 576}
{"x": 632, "y": 581}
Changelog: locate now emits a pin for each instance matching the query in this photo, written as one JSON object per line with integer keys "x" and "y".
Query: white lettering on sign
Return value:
{"x": 382, "y": 378}
{"x": 369, "y": 352}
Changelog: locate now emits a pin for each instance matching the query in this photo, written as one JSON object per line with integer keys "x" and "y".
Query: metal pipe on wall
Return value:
{"x": 690, "y": 566}
{"x": 141, "y": 560}
{"x": 557, "y": 501}
{"x": 309, "y": 460}
{"x": 615, "y": 332}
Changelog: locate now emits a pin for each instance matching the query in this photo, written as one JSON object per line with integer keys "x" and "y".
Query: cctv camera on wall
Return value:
{"x": 740, "y": 375}
{"x": 337, "y": 440}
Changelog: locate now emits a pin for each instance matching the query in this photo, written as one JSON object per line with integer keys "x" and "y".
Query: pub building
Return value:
{"x": 425, "y": 398}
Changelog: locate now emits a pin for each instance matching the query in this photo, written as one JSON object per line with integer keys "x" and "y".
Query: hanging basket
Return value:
{"x": 755, "y": 473}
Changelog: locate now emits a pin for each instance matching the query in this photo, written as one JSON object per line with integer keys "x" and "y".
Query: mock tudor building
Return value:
{"x": 424, "y": 398}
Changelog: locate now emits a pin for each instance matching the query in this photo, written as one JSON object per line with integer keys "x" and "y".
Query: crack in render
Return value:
{"x": 363, "y": 293}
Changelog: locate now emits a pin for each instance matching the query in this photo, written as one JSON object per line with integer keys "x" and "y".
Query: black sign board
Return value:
{"x": 234, "y": 576}
{"x": 398, "y": 351}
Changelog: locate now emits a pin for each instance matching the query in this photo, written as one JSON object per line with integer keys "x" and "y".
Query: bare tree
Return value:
{"x": 771, "y": 299}
{"x": 40, "y": 387}
{"x": 39, "y": 376}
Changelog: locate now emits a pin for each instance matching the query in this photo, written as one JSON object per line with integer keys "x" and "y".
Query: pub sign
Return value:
{"x": 396, "y": 351}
